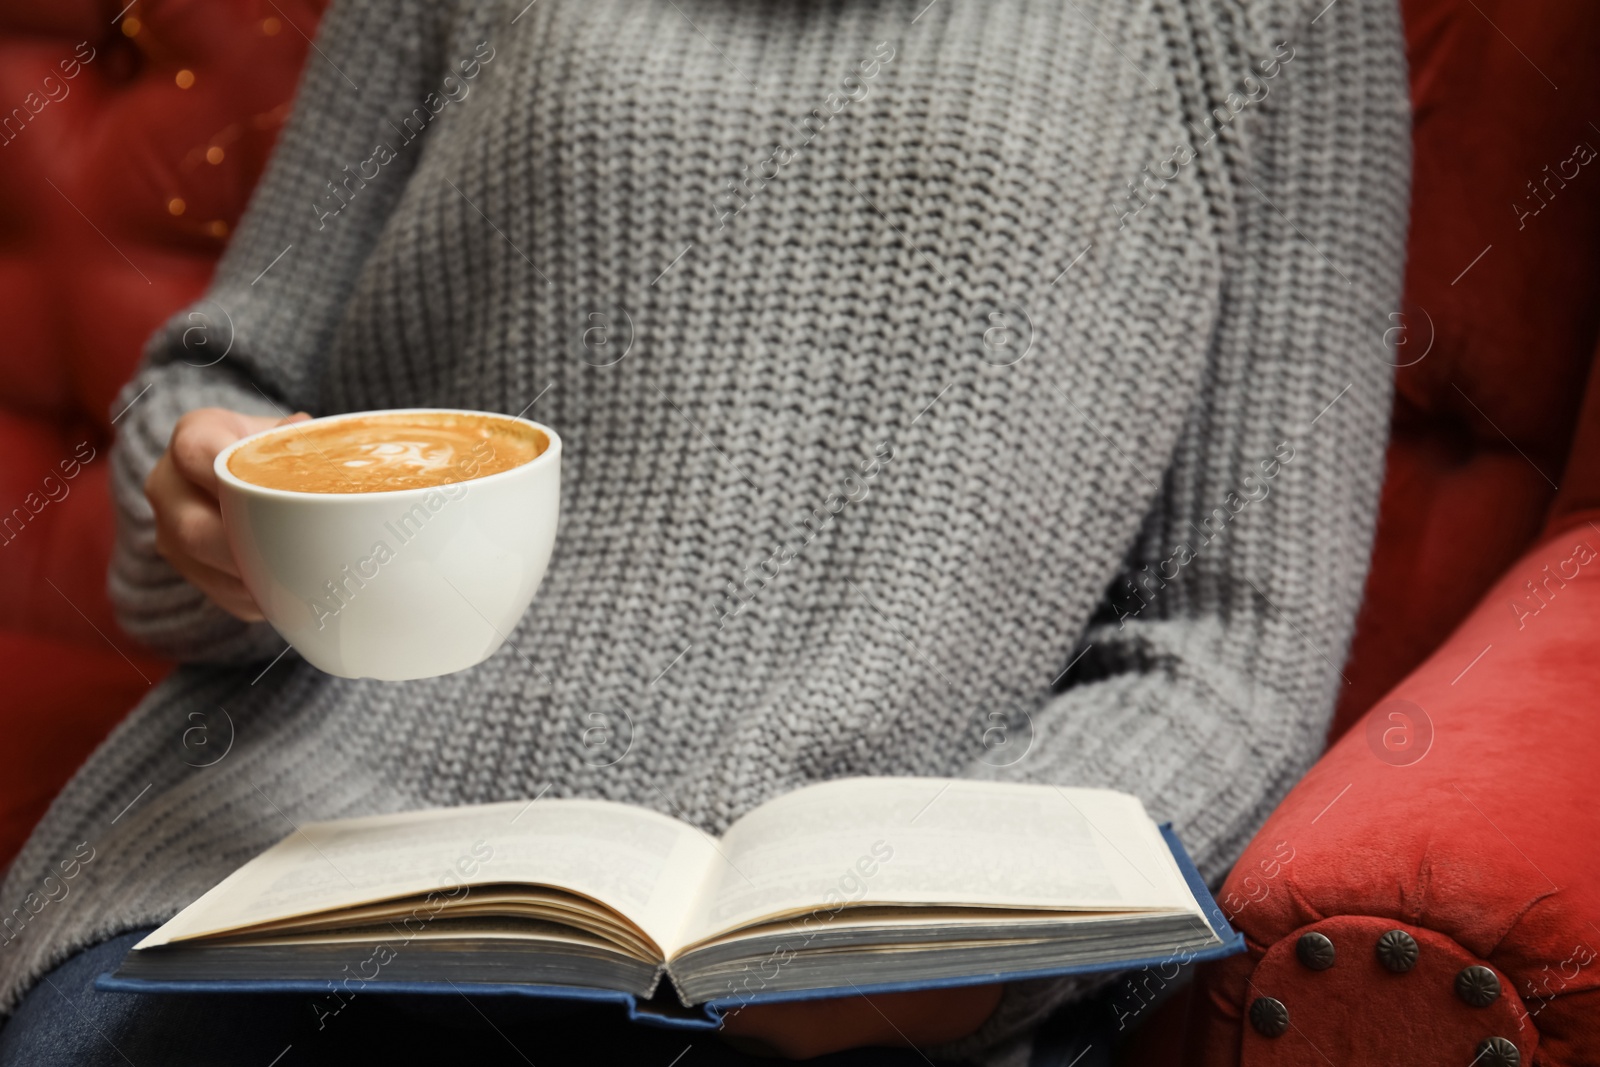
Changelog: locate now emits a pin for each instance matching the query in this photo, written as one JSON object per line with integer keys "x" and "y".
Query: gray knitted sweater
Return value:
{"x": 931, "y": 375}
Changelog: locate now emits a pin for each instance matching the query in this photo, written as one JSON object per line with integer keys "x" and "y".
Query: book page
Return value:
{"x": 930, "y": 841}
{"x": 645, "y": 866}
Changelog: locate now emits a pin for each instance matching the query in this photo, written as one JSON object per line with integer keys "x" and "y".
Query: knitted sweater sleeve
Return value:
{"x": 1206, "y": 682}
{"x": 253, "y": 343}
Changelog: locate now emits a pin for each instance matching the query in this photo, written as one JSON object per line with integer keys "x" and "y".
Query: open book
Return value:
{"x": 851, "y": 885}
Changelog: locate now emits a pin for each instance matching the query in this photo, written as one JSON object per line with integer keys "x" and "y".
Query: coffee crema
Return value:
{"x": 384, "y": 453}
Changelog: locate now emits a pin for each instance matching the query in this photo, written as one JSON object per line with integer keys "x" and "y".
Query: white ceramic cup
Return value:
{"x": 411, "y": 583}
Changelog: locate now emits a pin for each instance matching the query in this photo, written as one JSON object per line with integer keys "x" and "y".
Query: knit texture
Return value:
{"x": 899, "y": 400}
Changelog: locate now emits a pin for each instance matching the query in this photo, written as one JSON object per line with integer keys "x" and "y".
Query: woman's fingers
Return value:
{"x": 182, "y": 490}
{"x": 188, "y": 520}
{"x": 204, "y": 432}
{"x": 224, "y": 590}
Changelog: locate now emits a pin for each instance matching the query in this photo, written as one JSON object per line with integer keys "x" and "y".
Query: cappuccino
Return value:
{"x": 386, "y": 452}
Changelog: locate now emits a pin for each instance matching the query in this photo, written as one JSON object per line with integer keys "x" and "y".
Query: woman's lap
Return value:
{"x": 65, "y": 1021}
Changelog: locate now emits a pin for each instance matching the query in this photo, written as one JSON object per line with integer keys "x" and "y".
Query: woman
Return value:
{"x": 1096, "y": 292}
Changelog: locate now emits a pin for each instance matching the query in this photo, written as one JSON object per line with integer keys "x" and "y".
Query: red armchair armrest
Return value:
{"x": 1461, "y": 812}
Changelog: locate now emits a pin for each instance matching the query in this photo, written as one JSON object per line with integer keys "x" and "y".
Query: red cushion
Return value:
{"x": 62, "y": 698}
{"x": 1484, "y": 418}
{"x": 1462, "y": 806}
{"x": 128, "y": 149}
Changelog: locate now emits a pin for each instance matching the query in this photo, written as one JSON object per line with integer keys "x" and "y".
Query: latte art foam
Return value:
{"x": 383, "y": 453}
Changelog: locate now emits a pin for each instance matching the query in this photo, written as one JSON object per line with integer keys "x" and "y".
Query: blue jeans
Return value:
{"x": 65, "y": 1022}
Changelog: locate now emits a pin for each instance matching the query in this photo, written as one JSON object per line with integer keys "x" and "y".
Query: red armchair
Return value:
{"x": 1430, "y": 892}
{"x": 131, "y": 135}
{"x": 1481, "y": 852}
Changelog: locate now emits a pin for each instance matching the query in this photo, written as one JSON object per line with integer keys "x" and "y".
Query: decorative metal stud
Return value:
{"x": 1269, "y": 1017}
{"x": 1314, "y": 951}
{"x": 1397, "y": 951}
{"x": 1477, "y": 985}
{"x": 1498, "y": 1052}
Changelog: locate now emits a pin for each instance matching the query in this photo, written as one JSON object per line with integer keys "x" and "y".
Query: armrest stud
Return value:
{"x": 1478, "y": 986}
{"x": 1269, "y": 1016}
{"x": 1397, "y": 951}
{"x": 1315, "y": 951}
{"x": 1498, "y": 1052}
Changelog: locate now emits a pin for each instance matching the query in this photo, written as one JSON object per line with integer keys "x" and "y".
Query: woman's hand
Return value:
{"x": 806, "y": 1028}
{"x": 182, "y": 490}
